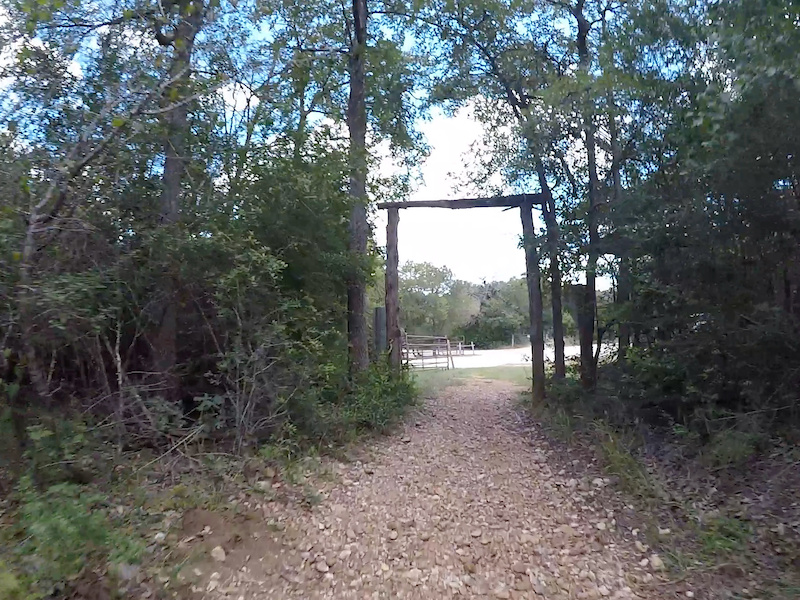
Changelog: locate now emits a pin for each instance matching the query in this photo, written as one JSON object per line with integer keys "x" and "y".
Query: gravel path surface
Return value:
{"x": 460, "y": 502}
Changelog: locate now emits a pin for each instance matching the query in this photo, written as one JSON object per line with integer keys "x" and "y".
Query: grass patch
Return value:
{"x": 517, "y": 374}
{"x": 570, "y": 414}
{"x": 722, "y": 537}
{"x": 617, "y": 449}
{"x": 10, "y": 587}
{"x": 431, "y": 382}
{"x": 731, "y": 448}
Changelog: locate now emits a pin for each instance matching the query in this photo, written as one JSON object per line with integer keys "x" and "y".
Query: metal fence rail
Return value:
{"x": 460, "y": 347}
{"x": 428, "y": 352}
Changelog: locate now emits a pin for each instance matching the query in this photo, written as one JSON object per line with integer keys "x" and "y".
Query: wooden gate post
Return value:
{"x": 393, "y": 291}
{"x": 534, "y": 299}
{"x": 379, "y": 331}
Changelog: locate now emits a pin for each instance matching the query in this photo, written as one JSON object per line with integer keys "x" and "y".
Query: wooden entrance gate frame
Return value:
{"x": 525, "y": 203}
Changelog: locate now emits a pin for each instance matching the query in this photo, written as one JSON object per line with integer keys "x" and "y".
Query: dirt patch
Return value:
{"x": 90, "y": 587}
{"x": 217, "y": 546}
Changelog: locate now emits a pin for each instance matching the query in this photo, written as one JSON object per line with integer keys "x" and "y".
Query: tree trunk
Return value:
{"x": 588, "y": 365}
{"x": 553, "y": 235}
{"x": 534, "y": 300}
{"x": 176, "y": 126}
{"x": 623, "y": 296}
{"x": 624, "y": 275}
{"x": 358, "y": 340}
{"x": 27, "y": 311}
{"x": 393, "y": 334}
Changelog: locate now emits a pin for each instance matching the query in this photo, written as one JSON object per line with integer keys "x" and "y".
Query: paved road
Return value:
{"x": 504, "y": 357}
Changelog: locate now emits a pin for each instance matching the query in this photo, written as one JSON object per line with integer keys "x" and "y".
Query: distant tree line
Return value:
{"x": 490, "y": 314}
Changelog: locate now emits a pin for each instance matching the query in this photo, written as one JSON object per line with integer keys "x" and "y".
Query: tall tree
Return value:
{"x": 180, "y": 38}
{"x": 588, "y": 305}
{"x": 358, "y": 341}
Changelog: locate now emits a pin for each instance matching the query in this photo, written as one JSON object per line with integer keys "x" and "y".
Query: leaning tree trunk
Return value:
{"x": 176, "y": 149}
{"x": 588, "y": 363}
{"x": 534, "y": 300}
{"x": 358, "y": 340}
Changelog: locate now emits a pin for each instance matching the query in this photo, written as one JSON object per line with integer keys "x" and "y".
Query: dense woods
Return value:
{"x": 187, "y": 185}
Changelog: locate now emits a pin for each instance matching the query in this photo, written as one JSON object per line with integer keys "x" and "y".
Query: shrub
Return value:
{"x": 63, "y": 530}
{"x": 339, "y": 413}
{"x": 732, "y": 447}
{"x": 10, "y": 588}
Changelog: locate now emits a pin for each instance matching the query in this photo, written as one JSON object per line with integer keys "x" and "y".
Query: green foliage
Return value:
{"x": 433, "y": 302}
{"x": 10, "y": 586}
{"x": 371, "y": 404}
{"x": 732, "y": 448}
{"x": 723, "y": 536}
{"x": 503, "y": 313}
{"x": 63, "y": 530}
{"x": 379, "y": 399}
{"x": 60, "y": 450}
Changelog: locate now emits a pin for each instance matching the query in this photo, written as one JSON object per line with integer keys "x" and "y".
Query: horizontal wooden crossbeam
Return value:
{"x": 493, "y": 202}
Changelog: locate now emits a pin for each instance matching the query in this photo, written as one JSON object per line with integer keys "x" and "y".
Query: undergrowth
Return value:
{"x": 722, "y": 537}
{"x": 651, "y": 454}
{"x": 64, "y": 530}
{"x": 78, "y": 507}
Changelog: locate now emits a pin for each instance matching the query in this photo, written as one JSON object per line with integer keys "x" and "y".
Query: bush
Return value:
{"x": 708, "y": 374}
{"x": 61, "y": 532}
{"x": 379, "y": 399}
{"x": 371, "y": 403}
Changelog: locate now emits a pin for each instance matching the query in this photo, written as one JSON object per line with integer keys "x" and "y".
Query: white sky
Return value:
{"x": 476, "y": 244}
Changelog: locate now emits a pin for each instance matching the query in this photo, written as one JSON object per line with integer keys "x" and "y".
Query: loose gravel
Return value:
{"x": 459, "y": 502}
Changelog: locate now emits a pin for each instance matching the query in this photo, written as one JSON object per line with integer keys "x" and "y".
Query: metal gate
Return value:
{"x": 428, "y": 352}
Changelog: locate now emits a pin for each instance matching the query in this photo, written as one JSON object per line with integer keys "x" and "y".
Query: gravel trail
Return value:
{"x": 460, "y": 502}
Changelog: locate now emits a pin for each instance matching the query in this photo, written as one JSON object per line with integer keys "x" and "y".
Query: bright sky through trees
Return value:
{"x": 478, "y": 244}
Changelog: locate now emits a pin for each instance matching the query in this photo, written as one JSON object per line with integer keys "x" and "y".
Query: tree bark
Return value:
{"x": 358, "y": 339}
{"x": 176, "y": 126}
{"x": 624, "y": 275}
{"x": 588, "y": 365}
{"x": 533, "y": 277}
{"x": 553, "y": 236}
{"x": 27, "y": 309}
{"x": 623, "y": 296}
{"x": 393, "y": 334}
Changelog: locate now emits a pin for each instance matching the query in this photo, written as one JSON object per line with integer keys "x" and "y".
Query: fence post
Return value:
{"x": 379, "y": 330}
{"x": 393, "y": 331}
